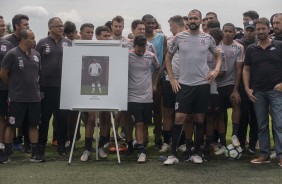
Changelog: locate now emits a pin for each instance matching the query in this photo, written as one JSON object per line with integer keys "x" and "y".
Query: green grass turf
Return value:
{"x": 56, "y": 170}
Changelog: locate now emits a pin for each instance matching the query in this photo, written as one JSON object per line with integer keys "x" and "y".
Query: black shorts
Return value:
{"x": 140, "y": 112}
{"x": 3, "y": 103}
{"x": 192, "y": 99}
{"x": 95, "y": 78}
{"x": 224, "y": 96}
{"x": 28, "y": 112}
{"x": 168, "y": 95}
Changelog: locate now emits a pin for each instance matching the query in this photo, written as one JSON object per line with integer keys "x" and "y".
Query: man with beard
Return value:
{"x": 277, "y": 26}
{"x": 263, "y": 84}
{"x": 192, "y": 88}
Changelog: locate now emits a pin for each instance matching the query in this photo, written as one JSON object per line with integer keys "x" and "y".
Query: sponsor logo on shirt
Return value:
{"x": 47, "y": 49}
{"x": 3, "y": 48}
{"x": 203, "y": 41}
{"x": 272, "y": 48}
{"x": 36, "y": 59}
{"x": 21, "y": 64}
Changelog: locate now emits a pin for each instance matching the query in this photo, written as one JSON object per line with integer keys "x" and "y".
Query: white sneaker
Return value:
{"x": 196, "y": 159}
{"x": 273, "y": 156}
{"x": 102, "y": 153}
{"x": 141, "y": 158}
{"x": 171, "y": 160}
{"x": 220, "y": 151}
{"x": 85, "y": 156}
{"x": 235, "y": 141}
{"x": 165, "y": 148}
{"x": 182, "y": 148}
{"x": 2, "y": 146}
{"x": 106, "y": 145}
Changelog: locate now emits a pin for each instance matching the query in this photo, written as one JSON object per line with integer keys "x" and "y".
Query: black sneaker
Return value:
{"x": 4, "y": 158}
{"x": 158, "y": 145}
{"x": 186, "y": 156}
{"x": 207, "y": 156}
{"x": 27, "y": 148}
{"x": 37, "y": 158}
{"x": 62, "y": 150}
{"x": 251, "y": 151}
{"x": 128, "y": 152}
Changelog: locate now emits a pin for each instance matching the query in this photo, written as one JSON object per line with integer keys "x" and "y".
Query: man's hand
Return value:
{"x": 212, "y": 75}
{"x": 175, "y": 85}
{"x": 278, "y": 87}
{"x": 250, "y": 95}
{"x": 235, "y": 95}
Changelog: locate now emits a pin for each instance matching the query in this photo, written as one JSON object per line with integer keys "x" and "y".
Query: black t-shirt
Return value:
{"x": 51, "y": 59}
{"x": 23, "y": 75}
{"x": 5, "y": 46}
{"x": 13, "y": 39}
{"x": 265, "y": 65}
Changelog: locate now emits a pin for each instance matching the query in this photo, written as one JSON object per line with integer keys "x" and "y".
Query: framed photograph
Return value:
{"x": 94, "y": 77}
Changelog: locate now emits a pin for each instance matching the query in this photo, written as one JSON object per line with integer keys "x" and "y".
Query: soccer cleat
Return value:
{"x": 171, "y": 160}
{"x": 182, "y": 148}
{"x": 207, "y": 156}
{"x": 235, "y": 141}
{"x": 196, "y": 159}
{"x": 141, "y": 158}
{"x": 122, "y": 148}
{"x": 186, "y": 156}
{"x": 4, "y": 157}
{"x": 165, "y": 148}
{"x": 273, "y": 156}
{"x": 27, "y": 148}
{"x": 85, "y": 156}
{"x": 37, "y": 158}
{"x": 17, "y": 147}
{"x": 102, "y": 153}
{"x": 220, "y": 151}
{"x": 261, "y": 160}
{"x": 251, "y": 151}
{"x": 128, "y": 152}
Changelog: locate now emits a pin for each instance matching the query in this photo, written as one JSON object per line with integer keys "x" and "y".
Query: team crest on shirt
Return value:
{"x": 231, "y": 53}
{"x": 36, "y": 59}
{"x": 64, "y": 44}
{"x": 3, "y": 48}
{"x": 203, "y": 41}
{"x": 12, "y": 120}
{"x": 147, "y": 62}
{"x": 21, "y": 63}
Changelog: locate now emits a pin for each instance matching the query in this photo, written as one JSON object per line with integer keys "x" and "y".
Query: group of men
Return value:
{"x": 192, "y": 77}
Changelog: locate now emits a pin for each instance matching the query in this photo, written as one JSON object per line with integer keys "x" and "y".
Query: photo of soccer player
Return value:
{"x": 94, "y": 75}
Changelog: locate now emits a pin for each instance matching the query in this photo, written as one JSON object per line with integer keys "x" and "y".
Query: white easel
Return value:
{"x": 96, "y": 132}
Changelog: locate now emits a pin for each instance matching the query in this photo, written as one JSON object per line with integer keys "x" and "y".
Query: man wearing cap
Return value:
{"x": 248, "y": 116}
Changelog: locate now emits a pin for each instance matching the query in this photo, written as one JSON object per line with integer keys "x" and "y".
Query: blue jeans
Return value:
{"x": 265, "y": 100}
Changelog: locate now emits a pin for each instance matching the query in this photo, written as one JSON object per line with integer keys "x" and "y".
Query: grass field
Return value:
{"x": 56, "y": 170}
